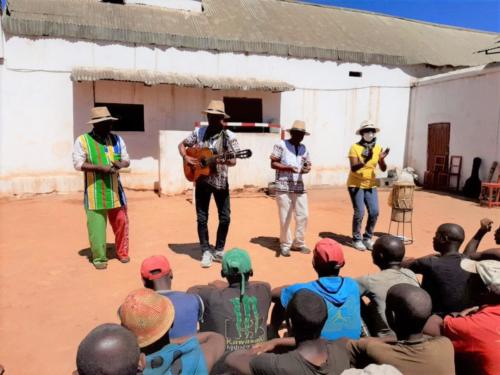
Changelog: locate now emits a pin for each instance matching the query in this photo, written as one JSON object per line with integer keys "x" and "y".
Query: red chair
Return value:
{"x": 490, "y": 194}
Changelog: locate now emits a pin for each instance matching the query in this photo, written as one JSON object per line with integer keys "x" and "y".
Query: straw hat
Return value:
{"x": 367, "y": 125}
{"x": 100, "y": 114}
{"x": 216, "y": 107}
{"x": 299, "y": 126}
{"x": 148, "y": 314}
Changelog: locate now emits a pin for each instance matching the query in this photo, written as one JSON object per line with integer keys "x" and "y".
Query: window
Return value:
{"x": 130, "y": 116}
{"x": 355, "y": 74}
{"x": 243, "y": 109}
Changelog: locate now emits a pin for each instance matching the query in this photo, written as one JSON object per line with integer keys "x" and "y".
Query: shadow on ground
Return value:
{"x": 110, "y": 252}
{"x": 190, "y": 249}
{"x": 270, "y": 243}
{"x": 340, "y": 238}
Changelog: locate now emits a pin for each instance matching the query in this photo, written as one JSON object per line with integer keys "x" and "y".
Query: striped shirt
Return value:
{"x": 102, "y": 191}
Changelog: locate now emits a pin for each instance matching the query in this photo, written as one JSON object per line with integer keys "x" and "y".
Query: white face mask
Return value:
{"x": 368, "y": 136}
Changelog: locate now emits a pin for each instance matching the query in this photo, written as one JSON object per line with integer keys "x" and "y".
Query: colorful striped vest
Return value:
{"x": 102, "y": 191}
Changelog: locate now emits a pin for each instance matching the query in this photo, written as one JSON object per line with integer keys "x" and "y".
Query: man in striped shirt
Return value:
{"x": 100, "y": 154}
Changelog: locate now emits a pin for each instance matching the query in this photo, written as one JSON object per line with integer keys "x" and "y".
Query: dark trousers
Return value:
{"x": 203, "y": 193}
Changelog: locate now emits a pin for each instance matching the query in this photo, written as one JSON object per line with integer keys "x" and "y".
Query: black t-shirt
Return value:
{"x": 241, "y": 319}
{"x": 293, "y": 363}
{"x": 445, "y": 281}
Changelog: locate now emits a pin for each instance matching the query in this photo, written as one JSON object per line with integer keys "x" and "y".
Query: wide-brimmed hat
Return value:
{"x": 488, "y": 271}
{"x": 100, "y": 114}
{"x": 148, "y": 314}
{"x": 299, "y": 126}
{"x": 216, "y": 107}
{"x": 367, "y": 125}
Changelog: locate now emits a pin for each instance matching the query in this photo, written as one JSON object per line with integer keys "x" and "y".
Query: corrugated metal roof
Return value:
{"x": 255, "y": 26}
{"x": 151, "y": 77}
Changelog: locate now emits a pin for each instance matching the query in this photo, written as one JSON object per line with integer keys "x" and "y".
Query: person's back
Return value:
{"x": 445, "y": 281}
{"x": 149, "y": 315}
{"x": 294, "y": 363}
{"x": 407, "y": 310}
{"x": 172, "y": 359}
{"x": 476, "y": 336}
{"x": 341, "y": 295}
{"x": 375, "y": 287}
{"x": 429, "y": 355}
{"x": 388, "y": 252}
{"x": 157, "y": 275}
{"x": 239, "y": 310}
{"x": 241, "y": 319}
{"x": 309, "y": 354}
{"x": 189, "y": 310}
{"x": 443, "y": 278}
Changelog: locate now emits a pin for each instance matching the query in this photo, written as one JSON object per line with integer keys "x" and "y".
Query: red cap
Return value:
{"x": 328, "y": 251}
{"x": 156, "y": 263}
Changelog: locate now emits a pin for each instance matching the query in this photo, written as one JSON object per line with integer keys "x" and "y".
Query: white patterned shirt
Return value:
{"x": 286, "y": 154}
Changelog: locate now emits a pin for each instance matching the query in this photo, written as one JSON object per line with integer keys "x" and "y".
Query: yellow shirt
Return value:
{"x": 364, "y": 177}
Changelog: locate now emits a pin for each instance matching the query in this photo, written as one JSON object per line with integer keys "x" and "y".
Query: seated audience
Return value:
{"x": 157, "y": 275}
{"x": 109, "y": 349}
{"x": 341, "y": 294}
{"x": 443, "y": 278}
{"x": 309, "y": 353}
{"x": 475, "y": 333}
{"x": 407, "y": 309}
{"x": 238, "y": 310}
{"x": 387, "y": 254}
{"x": 149, "y": 316}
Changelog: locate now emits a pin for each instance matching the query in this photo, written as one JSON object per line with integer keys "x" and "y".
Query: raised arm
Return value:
{"x": 472, "y": 245}
{"x": 381, "y": 160}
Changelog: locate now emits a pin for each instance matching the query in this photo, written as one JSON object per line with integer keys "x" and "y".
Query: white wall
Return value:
{"x": 470, "y": 102}
{"x": 46, "y": 111}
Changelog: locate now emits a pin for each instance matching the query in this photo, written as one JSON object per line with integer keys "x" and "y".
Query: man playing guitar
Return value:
{"x": 219, "y": 141}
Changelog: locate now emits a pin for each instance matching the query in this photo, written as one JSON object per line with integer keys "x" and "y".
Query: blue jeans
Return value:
{"x": 360, "y": 198}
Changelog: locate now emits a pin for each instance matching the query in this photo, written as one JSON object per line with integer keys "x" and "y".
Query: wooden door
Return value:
{"x": 438, "y": 143}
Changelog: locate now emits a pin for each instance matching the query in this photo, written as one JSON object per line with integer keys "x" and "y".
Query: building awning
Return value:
{"x": 152, "y": 77}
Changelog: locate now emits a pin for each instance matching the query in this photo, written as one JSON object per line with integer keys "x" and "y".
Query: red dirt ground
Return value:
{"x": 51, "y": 297}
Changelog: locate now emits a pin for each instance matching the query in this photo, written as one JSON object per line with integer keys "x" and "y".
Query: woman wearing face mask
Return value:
{"x": 364, "y": 157}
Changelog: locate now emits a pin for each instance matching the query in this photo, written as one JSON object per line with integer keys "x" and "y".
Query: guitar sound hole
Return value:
{"x": 203, "y": 163}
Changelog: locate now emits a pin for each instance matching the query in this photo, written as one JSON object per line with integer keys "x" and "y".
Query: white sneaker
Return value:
{"x": 285, "y": 252}
{"x": 368, "y": 244}
{"x": 218, "y": 255}
{"x": 206, "y": 259}
{"x": 359, "y": 245}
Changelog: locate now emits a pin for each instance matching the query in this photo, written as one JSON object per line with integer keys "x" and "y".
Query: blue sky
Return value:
{"x": 472, "y": 14}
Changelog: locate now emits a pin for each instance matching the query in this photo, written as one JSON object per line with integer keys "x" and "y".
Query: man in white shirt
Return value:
{"x": 290, "y": 158}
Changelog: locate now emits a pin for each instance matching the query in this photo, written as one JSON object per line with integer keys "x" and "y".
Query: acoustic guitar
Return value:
{"x": 207, "y": 160}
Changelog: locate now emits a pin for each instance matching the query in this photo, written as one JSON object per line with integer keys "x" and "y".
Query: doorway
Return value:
{"x": 438, "y": 146}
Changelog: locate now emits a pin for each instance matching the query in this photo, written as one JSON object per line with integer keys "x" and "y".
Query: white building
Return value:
{"x": 458, "y": 113}
{"x": 328, "y": 66}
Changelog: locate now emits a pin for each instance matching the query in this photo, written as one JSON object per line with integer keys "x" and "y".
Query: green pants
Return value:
{"x": 96, "y": 226}
{"x": 97, "y": 221}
